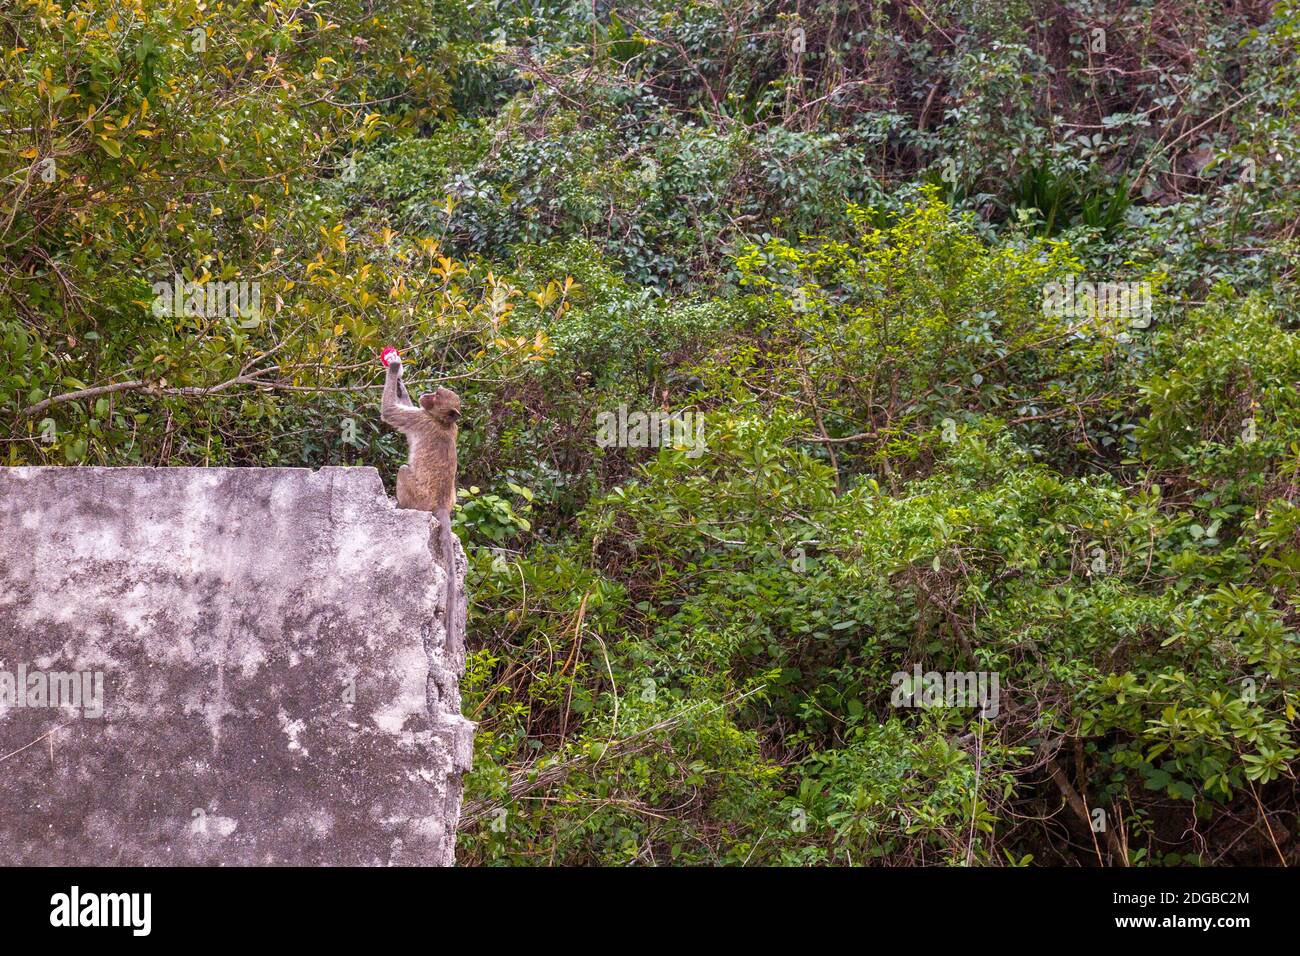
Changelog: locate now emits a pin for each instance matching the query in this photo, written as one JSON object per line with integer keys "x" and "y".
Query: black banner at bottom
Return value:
{"x": 332, "y": 905}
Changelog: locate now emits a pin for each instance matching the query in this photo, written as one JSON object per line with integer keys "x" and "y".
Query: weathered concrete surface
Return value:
{"x": 275, "y": 689}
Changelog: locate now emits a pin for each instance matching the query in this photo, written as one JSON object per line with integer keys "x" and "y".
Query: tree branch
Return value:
{"x": 135, "y": 385}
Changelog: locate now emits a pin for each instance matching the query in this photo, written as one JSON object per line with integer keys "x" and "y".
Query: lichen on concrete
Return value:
{"x": 270, "y": 642}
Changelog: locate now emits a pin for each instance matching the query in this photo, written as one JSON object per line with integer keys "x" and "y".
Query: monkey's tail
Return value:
{"x": 449, "y": 566}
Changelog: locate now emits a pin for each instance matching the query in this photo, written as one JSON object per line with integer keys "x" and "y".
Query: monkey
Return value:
{"x": 427, "y": 482}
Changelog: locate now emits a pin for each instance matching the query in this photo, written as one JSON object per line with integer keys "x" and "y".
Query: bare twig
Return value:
{"x": 525, "y": 781}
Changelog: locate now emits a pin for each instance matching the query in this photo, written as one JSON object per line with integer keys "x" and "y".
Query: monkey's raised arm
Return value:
{"x": 397, "y": 409}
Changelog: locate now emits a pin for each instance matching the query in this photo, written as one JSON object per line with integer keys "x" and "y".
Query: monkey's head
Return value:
{"x": 443, "y": 406}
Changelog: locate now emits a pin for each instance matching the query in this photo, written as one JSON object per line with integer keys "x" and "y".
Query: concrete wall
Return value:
{"x": 268, "y": 648}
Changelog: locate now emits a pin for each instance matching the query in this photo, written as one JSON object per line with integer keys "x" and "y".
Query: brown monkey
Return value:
{"x": 427, "y": 482}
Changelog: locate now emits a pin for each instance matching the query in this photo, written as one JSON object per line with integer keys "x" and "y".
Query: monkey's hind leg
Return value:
{"x": 405, "y": 488}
